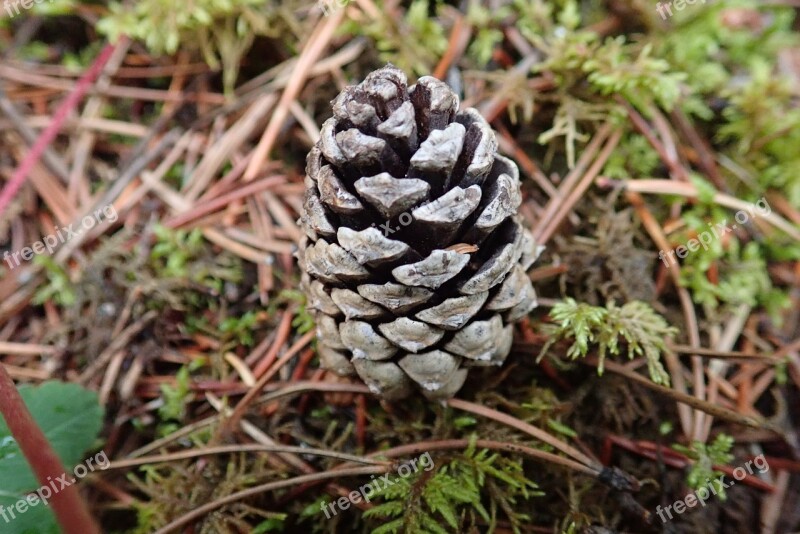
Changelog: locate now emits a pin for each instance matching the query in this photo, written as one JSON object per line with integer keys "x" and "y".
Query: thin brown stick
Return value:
{"x": 231, "y": 449}
{"x": 675, "y": 369}
{"x": 222, "y": 201}
{"x": 29, "y": 349}
{"x": 730, "y": 355}
{"x": 456, "y": 44}
{"x": 570, "y": 181}
{"x": 117, "y": 91}
{"x": 449, "y": 444}
{"x": 527, "y": 428}
{"x": 70, "y": 509}
{"x": 582, "y": 186}
{"x": 256, "y": 389}
{"x": 694, "y": 402}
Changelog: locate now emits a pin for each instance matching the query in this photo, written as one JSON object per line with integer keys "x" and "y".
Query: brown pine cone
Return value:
{"x": 415, "y": 262}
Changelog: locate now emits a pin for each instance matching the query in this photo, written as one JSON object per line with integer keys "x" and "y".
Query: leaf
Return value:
{"x": 71, "y": 419}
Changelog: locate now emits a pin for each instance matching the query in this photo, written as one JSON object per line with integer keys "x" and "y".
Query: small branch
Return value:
{"x": 72, "y": 513}
{"x": 726, "y": 354}
{"x": 460, "y": 444}
{"x": 698, "y": 404}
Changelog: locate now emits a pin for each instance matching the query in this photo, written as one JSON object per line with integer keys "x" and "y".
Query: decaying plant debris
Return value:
{"x": 634, "y": 381}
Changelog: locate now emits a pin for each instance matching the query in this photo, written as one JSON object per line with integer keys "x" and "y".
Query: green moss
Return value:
{"x": 705, "y": 457}
{"x": 642, "y": 329}
{"x": 451, "y": 498}
{"x": 413, "y": 43}
{"x": 221, "y": 30}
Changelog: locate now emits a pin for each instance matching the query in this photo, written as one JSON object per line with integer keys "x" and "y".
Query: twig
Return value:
{"x": 694, "y": 402}
{"x": 565, "y": 207}
{"x": 570, "y": 181}
{"x": 731, "y": 355}
{"x": 117, "y": 91}
{"x": 71, "y": 511}
{"x": 456, "y": 44}
{"x": 29, "y": 349}
{"x": 263, "y": 371}
{"x": 20, "y": 123}
{"x": 85, "y": 141}
{"x": 416, "y": 448}
{"x": 690, "y": 426}
{"x": 222, "y": 201}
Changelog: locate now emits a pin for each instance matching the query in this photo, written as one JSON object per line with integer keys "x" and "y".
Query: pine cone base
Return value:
{"x": 414, "y": 260}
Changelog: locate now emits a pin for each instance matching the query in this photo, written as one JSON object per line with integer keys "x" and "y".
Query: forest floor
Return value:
{"x": 152, "y": 158}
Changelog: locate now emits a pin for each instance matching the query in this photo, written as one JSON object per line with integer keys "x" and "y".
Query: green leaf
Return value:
{"x": 389, "y": 528}
{"x": 71, "y": 419}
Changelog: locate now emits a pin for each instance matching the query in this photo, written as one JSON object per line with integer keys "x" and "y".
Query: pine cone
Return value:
{"x": 415, "y": 262}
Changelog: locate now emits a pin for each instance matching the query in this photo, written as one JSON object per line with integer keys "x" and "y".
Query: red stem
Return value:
{"x": 70, "y": 509}
{"x": 49, "y": 133}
